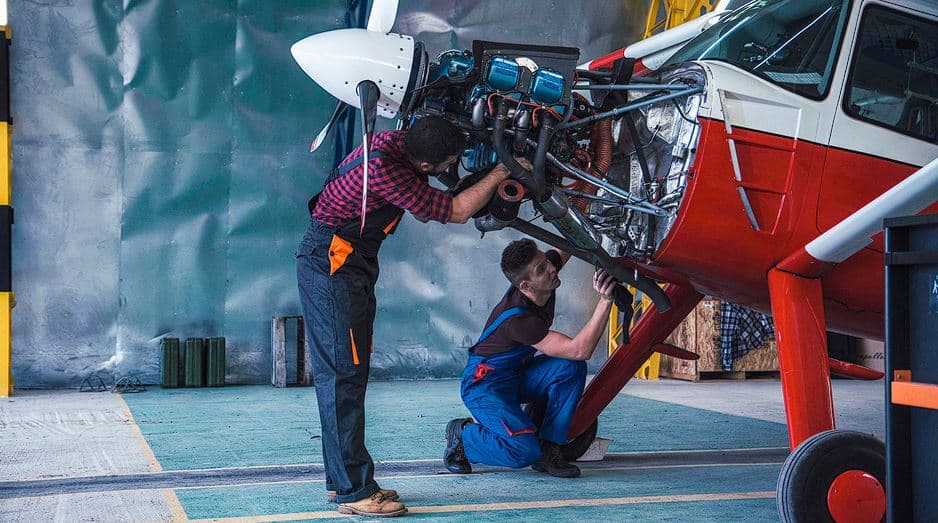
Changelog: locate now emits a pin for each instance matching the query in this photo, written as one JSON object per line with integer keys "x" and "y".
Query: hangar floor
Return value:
{"x": 682, "y": 451}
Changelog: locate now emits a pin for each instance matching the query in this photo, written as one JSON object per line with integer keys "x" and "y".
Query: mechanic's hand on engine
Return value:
{"x": 502, "y": 170}
{"x": 604, "y": 283}
{"x": 524, "y": 163}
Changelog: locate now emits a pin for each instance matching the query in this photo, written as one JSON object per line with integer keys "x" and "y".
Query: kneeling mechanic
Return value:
{"x": 503, "y": 371}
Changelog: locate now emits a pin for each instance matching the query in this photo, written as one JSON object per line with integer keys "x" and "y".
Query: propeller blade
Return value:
{"x": 368, "y": 94}
{"x": 321, "y": 137}
{"x": 383, "y": 13}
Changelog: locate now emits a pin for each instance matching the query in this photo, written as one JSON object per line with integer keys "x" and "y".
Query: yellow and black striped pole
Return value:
{"x": 7, "y": 299}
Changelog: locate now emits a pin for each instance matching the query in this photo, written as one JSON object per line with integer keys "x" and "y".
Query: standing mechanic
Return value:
{"x": 503, "y": 372}
{"x": 337, "y": 267}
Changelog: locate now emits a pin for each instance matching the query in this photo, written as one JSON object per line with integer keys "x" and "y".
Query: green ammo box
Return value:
{"x": 215, "y": 369}
{"x": 195, "y": 362}
{"x": 172, "y": 363}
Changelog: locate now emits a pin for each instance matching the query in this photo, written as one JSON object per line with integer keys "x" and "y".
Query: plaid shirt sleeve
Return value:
{"x": 399, "y": 185}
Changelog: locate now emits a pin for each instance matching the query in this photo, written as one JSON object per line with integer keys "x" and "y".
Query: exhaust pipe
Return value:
{"x": 568, "y": 220}
{"x": 579, "y": 237}
{"x": 534, "y": 183}
{"x": 504, "y": 207}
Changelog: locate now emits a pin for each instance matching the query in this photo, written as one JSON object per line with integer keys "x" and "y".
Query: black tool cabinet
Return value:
{"x": 912, "y": 368}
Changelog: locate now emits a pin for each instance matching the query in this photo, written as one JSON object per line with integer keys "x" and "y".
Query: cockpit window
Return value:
{"x": 791, "y": 43}
{"x": 894, "y": 78}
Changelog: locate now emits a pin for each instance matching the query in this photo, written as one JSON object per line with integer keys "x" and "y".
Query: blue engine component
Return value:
{"x": 547, "y": 87}
{"x": 454, "y": 65}
{"x": 503, "y": 74}
{"x": 478, "y": 157}
{"x": 478, "y": 91}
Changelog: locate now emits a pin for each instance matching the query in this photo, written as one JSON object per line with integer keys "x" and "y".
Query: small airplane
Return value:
{"x": 749, "y": 155}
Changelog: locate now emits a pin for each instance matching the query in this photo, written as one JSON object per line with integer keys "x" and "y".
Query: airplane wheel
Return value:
{"x": 575, "y": 448}
{"x": 835, "y": 476}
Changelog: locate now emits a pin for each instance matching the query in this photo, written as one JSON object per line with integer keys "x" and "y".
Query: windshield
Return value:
{"x": 791, "y": 43}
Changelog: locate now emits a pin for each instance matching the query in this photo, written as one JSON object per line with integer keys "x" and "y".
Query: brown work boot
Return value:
{"x": 388, "y": 493}
{"x": 553, "y": 462}
{"x": 376, "y": 506}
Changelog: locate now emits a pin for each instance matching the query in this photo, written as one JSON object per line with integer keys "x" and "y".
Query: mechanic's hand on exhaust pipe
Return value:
{"x": 524, "y": 163}
{"x": 503, "y": 170}
{"x": 604, "y": 284}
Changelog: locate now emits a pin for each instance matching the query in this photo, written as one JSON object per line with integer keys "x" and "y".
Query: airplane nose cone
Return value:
{"x": 339, "y": 60}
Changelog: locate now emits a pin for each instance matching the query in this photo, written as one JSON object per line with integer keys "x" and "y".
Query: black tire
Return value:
{"x": 809, "y": 471}
{"x": 576, "y": 447}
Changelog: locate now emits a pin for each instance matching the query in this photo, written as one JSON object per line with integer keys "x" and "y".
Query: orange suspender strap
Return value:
{"x": 354, "y": 348}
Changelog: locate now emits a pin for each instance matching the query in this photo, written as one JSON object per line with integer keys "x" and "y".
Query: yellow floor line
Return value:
{"x": 175, "y": 506}
{"x": 176, "y": 511}
{"x": 514, "y": 505}
{"x": 152, "y": 462}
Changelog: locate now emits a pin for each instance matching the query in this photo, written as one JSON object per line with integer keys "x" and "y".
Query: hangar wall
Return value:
{"x": 161, "y": 170}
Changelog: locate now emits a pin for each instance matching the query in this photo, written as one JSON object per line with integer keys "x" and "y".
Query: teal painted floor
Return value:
{"x": 259, "y": 425}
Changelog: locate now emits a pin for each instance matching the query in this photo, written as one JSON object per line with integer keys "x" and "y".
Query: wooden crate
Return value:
{"x": 278, "y": 347}
{"x": 700, "y": 334}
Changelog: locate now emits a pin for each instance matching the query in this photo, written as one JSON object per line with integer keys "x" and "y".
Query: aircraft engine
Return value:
{"x": 610, "y": 153}
{"x": 665, "y": 139}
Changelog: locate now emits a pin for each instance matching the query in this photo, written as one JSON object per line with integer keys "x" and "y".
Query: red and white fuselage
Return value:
{"x": 774, "y": 170}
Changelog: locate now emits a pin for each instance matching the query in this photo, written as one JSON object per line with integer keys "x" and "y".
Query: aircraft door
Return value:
{"x": 886, "y": 124}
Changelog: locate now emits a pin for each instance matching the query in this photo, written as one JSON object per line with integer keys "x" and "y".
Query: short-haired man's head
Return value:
{"x": 433, "y": 139}
{"x": 515, "y": 260}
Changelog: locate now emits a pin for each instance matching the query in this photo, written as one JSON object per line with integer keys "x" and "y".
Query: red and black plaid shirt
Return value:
{"x": 392, "y": 179}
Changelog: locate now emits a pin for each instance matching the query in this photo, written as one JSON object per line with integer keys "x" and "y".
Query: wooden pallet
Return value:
{"x": 734, "y": 375}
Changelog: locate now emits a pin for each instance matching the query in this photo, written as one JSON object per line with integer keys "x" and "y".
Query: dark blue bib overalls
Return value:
{"x": 336, "y": 270}
{"x": 493, "y": 389}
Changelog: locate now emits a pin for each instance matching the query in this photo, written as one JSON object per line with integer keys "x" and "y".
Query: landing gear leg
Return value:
{"x": 831, "y": 475}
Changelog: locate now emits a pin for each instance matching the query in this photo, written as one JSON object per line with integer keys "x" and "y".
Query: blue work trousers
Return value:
{"x": 339, "y": 313}
{"x": 493, "y": 389}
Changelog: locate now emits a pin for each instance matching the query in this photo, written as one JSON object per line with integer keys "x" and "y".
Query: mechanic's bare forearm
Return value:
{"x": 585, "y": 342}
{"x": 468, "y": 202}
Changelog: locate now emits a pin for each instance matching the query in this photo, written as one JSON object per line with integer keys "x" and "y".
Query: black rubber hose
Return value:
{"x": 534, "y": 186}
{"x": 540, "y": 155}
{"x": 601, "y": 259}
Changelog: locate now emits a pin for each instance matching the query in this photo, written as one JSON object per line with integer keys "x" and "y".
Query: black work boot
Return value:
{"x": 553, "y": 462}
{"x": 455, "y": 456}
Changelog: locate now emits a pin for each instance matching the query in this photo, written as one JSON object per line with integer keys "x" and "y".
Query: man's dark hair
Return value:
{"x": 515, "y": 259}
{"x": 433, "y": 139}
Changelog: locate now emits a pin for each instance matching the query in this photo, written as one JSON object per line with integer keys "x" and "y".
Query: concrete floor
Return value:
{"x": 858, "y": 405}
{"x": 252, "y": 454}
